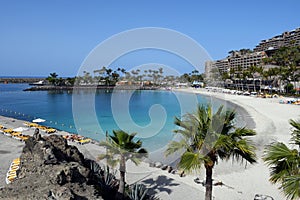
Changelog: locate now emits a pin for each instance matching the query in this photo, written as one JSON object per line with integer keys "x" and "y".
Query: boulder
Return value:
{"x": 51, "y": 169}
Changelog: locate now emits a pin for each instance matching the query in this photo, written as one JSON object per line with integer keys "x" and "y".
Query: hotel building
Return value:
{"x": 288, "y": 38}
{"x": 237, "y": 61}
{"x": 265, "y": 48}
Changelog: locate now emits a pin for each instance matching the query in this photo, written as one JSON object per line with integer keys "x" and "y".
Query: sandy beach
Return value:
{"x": 271, "y": 124}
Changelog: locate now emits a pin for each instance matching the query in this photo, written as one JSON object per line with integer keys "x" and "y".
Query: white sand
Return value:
{"x": 271, "y": 124}
{"x": 271, "y": 119}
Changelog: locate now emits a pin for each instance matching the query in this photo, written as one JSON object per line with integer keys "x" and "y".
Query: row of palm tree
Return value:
{"x": 287, "y": 60}
{"x": 207, "y": 136}
{"x": 109, "y": 77}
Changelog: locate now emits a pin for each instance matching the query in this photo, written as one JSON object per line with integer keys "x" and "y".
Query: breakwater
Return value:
{"x": 79, "y": 87}
{"x": 20, "y": 79}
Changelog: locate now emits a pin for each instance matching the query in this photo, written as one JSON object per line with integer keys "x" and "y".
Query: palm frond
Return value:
{"x": 191, "y": 161}
{"x": 291, "y": 187}
{"x": 282, "y": 161}
{"x": 113, "y": 162}
{"x": 103, "y": 156}
{"x": 295, "y": 132}
{"x": 135, "y": 160}
{"x": 175, "y": 146}
{"x": 243, "y": 150}
{"x": 223, "y": 146}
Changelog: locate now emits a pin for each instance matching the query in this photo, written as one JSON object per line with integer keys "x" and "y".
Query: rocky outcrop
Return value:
{"x": 89, "y": 87}
{"x": 51, "y": 169}
{"x": 19, "y": 80}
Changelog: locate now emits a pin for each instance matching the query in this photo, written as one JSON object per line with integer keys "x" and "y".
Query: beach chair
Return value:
{"x": 16, "y": 133}
{"x": 33, "y": 125}
{"x": 16, "y": 161}
{"x": 11, "y": 175}
{"x": 50, "y": 130}
{"x": 84, "y": 141}
{"x": 9, "y": 130}
{"x": 15, "y": 168}
{"x": 24, "y": 137}
{"x": 9, "y": 179}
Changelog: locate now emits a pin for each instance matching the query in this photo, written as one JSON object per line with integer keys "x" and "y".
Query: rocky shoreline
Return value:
{"x": 52, "y": 169}
{"x": 6, "y": 80}
{"x": 88, "y": 87}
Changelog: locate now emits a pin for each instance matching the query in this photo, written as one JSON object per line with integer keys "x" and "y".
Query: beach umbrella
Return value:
{"x": 20, "y": 129}
{"x": 38, "y": 120}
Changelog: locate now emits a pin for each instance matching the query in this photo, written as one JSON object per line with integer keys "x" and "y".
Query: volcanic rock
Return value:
{"x": 51, "y": 169}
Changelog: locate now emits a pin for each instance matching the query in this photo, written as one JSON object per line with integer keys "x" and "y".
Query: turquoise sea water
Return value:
{"x": 90, "y": 113}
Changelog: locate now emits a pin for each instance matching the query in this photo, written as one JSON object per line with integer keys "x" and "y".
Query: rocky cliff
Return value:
{"x": 51, "y": 169}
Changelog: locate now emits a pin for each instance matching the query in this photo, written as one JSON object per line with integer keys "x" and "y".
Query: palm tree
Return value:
{"x": 120, "y": 148}
{"x": 284, "y": 164}
{"x": 288, "y": 58}
{"x": 207, "y": 137}
{"x": 296, "y": 132}
{"x": 52, "y": 78}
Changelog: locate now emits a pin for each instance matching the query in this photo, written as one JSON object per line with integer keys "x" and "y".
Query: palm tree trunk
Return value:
{"x": 208, "y": 183}
{"x": 122, "y": 178}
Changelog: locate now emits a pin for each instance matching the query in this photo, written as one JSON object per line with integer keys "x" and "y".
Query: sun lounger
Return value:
{"x": 16, "y": 163}
{"x": 85, "y": 141}
{"x": 14, "y": 169}
{"x": 33, "y": 125}
{"x": 14, "y": 166}
{"x": 50, "y": 130}
{"x": 16, "y": 133}
{"x": 9, "y": 130}
{"x": 24, "y": 137}
{"x": 11, "y": 178}
{"x": 11, "y": 175}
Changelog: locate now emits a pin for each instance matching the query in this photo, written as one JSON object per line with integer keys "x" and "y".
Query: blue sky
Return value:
{"x": 39, "y": 37}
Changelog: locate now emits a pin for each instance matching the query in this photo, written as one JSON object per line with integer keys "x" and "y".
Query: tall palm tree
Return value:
{"x": 284, "y": 164}
{"x": 207, "y": 137}
{"x": 121, "y": 147}
{"x": 52, "y": 78}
